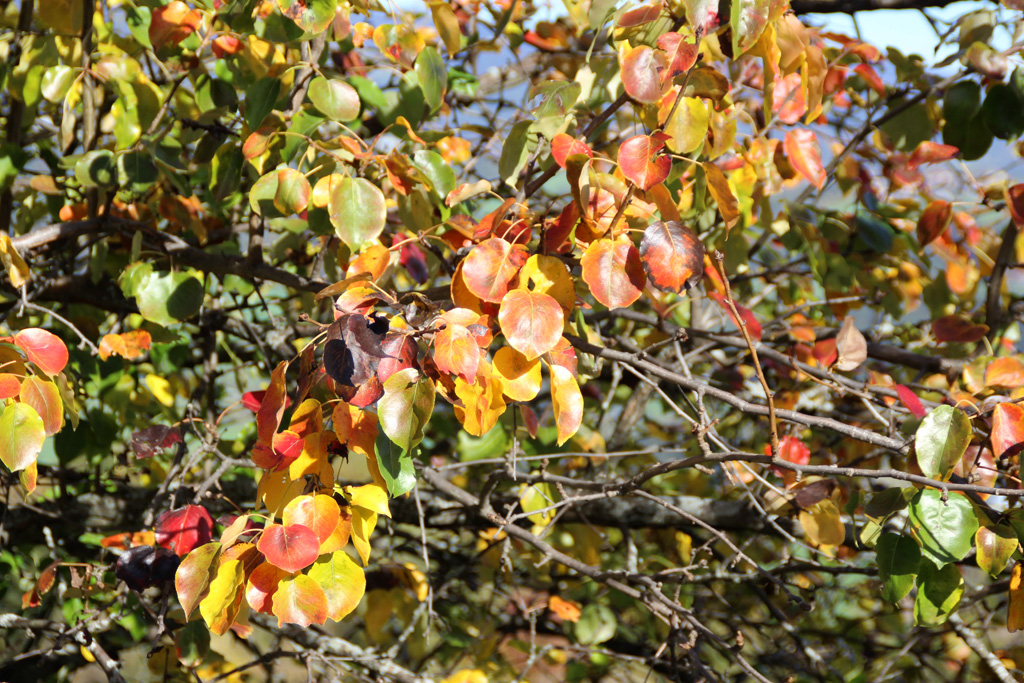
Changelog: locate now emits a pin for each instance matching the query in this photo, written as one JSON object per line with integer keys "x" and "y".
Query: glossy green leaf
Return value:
{"x": 357, "y": 211}
{"x": 136, "y": 171}
{"x": 167, "y": 298}
{"x": 338, "y": 100}
{"x": 438, "y": 173}
{"x": 939, "y": 591}
{"x": 96, "y": 169}
{"x": 942, "y": 439}
{"x": 898, "y": 560}
{"x": 406, "y": 407}
{"x": 433, "y": 76}
{"x": 945, "y": 529}
{"x": 396, "y": 466}
{"x": 1002, "y": 110}
{"x": 57, "y": 82}
{"x": 260, "y": 99}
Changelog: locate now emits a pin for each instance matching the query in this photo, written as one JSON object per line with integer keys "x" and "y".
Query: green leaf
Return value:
{"x": 260, "y": 99}
{"x": 889, "y": 502}
{"x": 261, "y": 196}
{"x": 12, "y": 159}
{"x": 138, "y": 20}
{"x": 749, "y": 17}
{"x": 312, "y": 16}
{"x": 945, "y": 529}
{"x": 898, "y": 560}
{"x": 942, "y": 439}
{"x": 396, "y": 466}
{"x": 136, "y": 171}
{"x": 1002, "y": 110}
{"x": 515, "y": 152}
{"x": 438, "y": 172}
{"x": 357, "y": 211}
{"x": 96, "y": 169}
{"x": 338, "y": 100}
{"x": 939, "y": 591}
{"x": 21, "y": 436}
{"x": 406, "y": 406}
{"x": 167, "y": 298}
{"x": 432, "y": 76}
{"x": 596, "y": 625}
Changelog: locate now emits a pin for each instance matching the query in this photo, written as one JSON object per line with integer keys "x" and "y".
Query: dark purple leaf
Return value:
{"x": 153, "y": 440}
{"x": 144, "y": 566}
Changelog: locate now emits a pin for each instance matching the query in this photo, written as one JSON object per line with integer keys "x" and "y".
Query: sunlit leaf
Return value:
{"x": 292, "y": 548}
{"x": 221, "y": 605}
{"x": 184, "y": 528}
{"x": 672, "y": 255}
{"x": 318, "y": 512}
{"x": 995, "y": 546}
{"x": 723, "y": 195}
{"x": 945, "y": 528}
{"x": 299, "y": 600}
{"x": 489, "y": 268}
{"x": 343, "y": 583}
{"x": 1007, "y": 428}
{"x": 22, "y": 433}
{"x": 641, "y": 73}
{"x": 357, "y": 211}
{"x": 802, "y": 150}
{"x": 406, "y": 407}
{"x": 567, "y": 402}
{"x": 641, "y": 163}
{"x": 193, "y": 576}
{"x": 614, "y": 271}
{"x": 520, "y": 377}
{"x": 45, "y": 349}
{"x": 531, "y": 322}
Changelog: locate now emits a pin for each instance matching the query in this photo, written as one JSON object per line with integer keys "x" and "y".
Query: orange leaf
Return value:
{"x": 268, "y": 417}
{"x": 490, "y": 267}
{"x": 801, "y": 146}
{"x": 933, "y": 221}
{"x": 316, "y": 511}
{"x": 641, "y": 69}
{"x": 44, "y": 349}
{"x": 10, "y": 385}
{"x": 1005, "y": 372}
{"x": 672, "y": 255}
{"x": 928, "y": 152}
{"x": 262, "y": 584}
{"x": 531, "y": 322}
{"x": 641, "y": 162}
{"x": 566, "y": 610}
{"x": 681, "y": 54}
{"x": 870, "y": 77}
{"x": 173, "y": 23}
{"x": 1007, "y": 429}
{"x": 563, "y": 146}
{"x": 614, "y": 271}
{"x": 719, "y": 188}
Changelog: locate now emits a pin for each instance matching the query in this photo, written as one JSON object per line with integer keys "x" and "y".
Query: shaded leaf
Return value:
{"x": 944, "y": 529}
{"x": 614, "y": 271}
{"x": 184, "y": 528}
{"x": 531, "y": 322}
{"x": 672, "y": 255}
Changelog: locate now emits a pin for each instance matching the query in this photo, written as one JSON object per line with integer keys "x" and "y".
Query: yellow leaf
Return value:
{"x": 161, "y": 389}
{"x": 15, "y": 266}
{"x": 277, "y": 489}
{"x": 548, "y": 275}
{"x": 467, "y": 676}
{"x": 220, "y": 607}
{"x": 684, "y": 546}
{"x": 1015, "y": 612}
{"x": 363, "y": 524}
{"x": 371, "y": 497}
{"x": 822, "y": 524}
{"x": 520, "y": 378}
{"x": 536, "y": 497}
{"x": 567, "y": 402}
{"x": 343, "y": 582}
{"x": 482, "y": 401}
{"x": 447, "y": 25}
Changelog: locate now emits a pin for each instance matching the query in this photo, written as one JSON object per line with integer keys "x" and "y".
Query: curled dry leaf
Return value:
{"x": 851, "y": 346}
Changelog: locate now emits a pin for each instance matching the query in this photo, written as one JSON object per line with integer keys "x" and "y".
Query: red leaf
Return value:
{"x": 402, "y": 351}
{"x": 253, "y": 399}
{"x": 1015, "y": 201}
{"x": 154, "y": 439}
{"x": 909, "y": 399}
{"x": 681, "y": 54}
{"x": 263, "y": 582}
{"x": 802, "y": 150}
{"x": 954, "y": 328}
{"x": 284, "y": 449}
{"x": 753, "y": 326}
{"x": 268, "y": 417}
{"x": 933, "y": 221}
{"x": 929, "y": 152}
{"x": 870, "y": 77}
{"x": 184, "y": 528}
{"x": 291, "y": 548}
{"x": 43, "y": 348}
{"x": 490, "y": 267}
{"x": 531, "y": 322}
{"x": 614, "y": 272}
{"x": 788, "y": 100}
{"x": 563, "y": 145}
{"x": 673, "y": 256}
{"x": 1007, "y": 428}
{"x": 318, "y": 512}
{"x": 641, "y": 163}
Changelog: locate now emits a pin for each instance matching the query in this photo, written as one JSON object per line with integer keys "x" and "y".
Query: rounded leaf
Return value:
{"x": 357, "y": 211}
{"x": 898, "y": 560}
{"x": 673, "y": 256}
{"x": 319, "y": 512}
{"x": 614, "y": 271}
{"x": 343, "y": 582}
{"x": 44, "y": 397}
{"x": 293, "y": 190}
{"x": 944, "y": 528}
{"x": 338, "y": 100}
{"x": 520, "y": 377}
{"x": 292, "y": 548}
{"x": 45, "y": 349}
{"x": 193, "y": 575}
{"x": 22, "y": 433}
{"x": 489, "y": 268}
{"x": 996, "y": 545}
{"x": 942, "y": 438}
{"x": 641, "y": 162}
{"x": 262, "y": 584}
{"x": 531, "y": 322}
{"x": 184, "y": 528}
{"x": 299, "y": 600}
{"x": 312, "y": 16}
{"x": 641, "y": 73}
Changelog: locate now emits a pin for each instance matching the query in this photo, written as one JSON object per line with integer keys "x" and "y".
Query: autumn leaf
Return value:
{"x": 672, "y": 255}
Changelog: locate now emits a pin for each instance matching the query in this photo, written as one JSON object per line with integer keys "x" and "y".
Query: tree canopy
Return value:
{"x": 500, "y": 340}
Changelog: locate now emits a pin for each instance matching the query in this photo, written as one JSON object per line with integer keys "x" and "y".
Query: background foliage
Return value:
{"x": 508, "y": 341}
